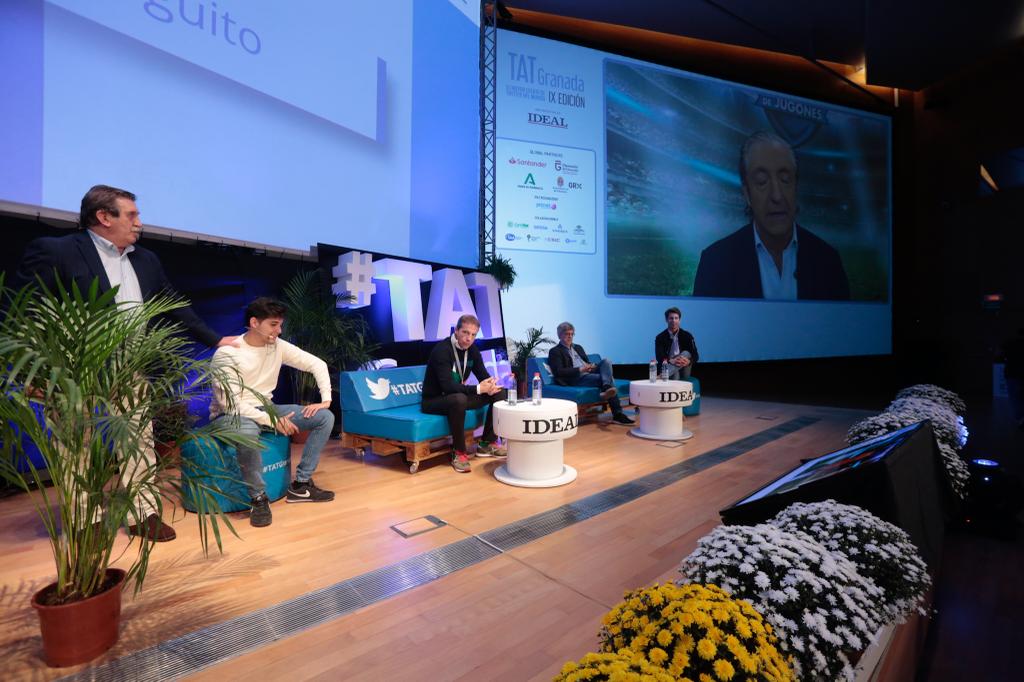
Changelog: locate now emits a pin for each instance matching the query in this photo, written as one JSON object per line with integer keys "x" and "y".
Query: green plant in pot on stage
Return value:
{"x": 170, "y": 427}
{"x": 315, "y": 324}
{"x": 501, "y": 269}
{"x": 100, "y": 374}
{"x": 521, "y": 351}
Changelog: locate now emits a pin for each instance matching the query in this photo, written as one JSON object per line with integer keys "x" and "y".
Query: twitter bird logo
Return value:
{"x": 379, "y": 390}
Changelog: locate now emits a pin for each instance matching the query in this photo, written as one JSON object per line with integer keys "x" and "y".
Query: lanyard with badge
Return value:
{"x": 459, "y": 369}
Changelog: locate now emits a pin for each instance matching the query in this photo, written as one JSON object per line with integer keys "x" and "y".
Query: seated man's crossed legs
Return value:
{"x": 604, "y": 379}
{"x": 454, "y": 407}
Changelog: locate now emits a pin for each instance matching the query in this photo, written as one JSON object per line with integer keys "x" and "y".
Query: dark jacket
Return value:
{"x": 441, "y": 378}
{"x": 75, "y": 259}
{"x": 663, "y": 344}
{"x": 560, "y": 362}
{"x": 729, "y": 268}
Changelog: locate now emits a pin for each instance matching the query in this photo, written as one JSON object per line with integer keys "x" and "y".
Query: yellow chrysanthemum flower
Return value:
{"x": 723, "y": 669}
{"x": 657, "y": 656}
{"x": 706, "y": 649}
{"x": 664, "y": 637}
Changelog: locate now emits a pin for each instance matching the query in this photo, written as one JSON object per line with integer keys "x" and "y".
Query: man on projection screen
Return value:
{"x": 445, "y": 391}
{"x": 771, "y": 257}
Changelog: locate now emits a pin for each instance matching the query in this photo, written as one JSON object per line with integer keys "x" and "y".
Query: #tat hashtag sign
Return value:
{"x": 354, "y": 277}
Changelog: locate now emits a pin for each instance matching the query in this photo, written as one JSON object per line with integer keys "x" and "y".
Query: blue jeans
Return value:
{"x": 251, "y": 462}
{"x": 679, "y": 373}
{"x": 602, "y": 379}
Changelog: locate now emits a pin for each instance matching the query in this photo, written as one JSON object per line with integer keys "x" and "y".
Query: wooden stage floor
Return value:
{"x": 517, "y": 616}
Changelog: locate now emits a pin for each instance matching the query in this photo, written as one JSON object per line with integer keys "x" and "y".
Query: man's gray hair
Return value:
{"x": 762, "y": 136}
{"x": 564, "y": 327}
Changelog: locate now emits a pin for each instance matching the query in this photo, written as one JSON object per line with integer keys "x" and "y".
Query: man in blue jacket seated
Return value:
{"x": 446, "y": 393}
{"x": 569, "y": 367}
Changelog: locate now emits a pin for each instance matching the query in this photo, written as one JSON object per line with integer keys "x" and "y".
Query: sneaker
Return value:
{"x": 260, "y": 515}
{"x": 490, "y": 449}
{"x": 607, "y": 393}
{"x": 306, "y": 491}
{"x": 460, "y": 462}
{"x": 621, "y": 418}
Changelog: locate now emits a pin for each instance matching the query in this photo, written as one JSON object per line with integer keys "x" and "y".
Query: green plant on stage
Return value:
{"x": 501, "y": 269}
{"x": 171, "y": 424}
{"x": 314, "y": 324}
{"x": 521, "y": 351}
{"x": 100, "y": 374}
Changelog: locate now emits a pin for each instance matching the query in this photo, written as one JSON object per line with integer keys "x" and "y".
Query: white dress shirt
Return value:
{"x": 773, "y": 284}
{"x": 119, "y": 270}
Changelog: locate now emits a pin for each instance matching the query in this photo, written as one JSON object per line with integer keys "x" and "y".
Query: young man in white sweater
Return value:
{"x": 256, "y": 361}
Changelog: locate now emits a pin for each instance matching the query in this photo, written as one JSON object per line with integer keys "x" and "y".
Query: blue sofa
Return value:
{"x": 380, "y": 410}
{"x": 586, "y": 397}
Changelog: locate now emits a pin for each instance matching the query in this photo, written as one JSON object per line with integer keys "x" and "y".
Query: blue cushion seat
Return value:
{"x": 693, "y": 409}
{"x": 385, "y": 403}
{"x": 216, "y": 466}
{"x": 406, "y": 423}
{"x": 582, "y": 395}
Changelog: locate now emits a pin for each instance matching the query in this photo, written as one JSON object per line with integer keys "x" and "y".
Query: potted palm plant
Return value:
{"x": 521, "y": 351}
{"x": 100, "y": 374}
{"x": 315, "y": 325}
{"x": 500, "y": 268}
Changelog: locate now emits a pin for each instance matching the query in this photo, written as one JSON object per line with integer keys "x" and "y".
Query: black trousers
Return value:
{"x": 454, "y": 406}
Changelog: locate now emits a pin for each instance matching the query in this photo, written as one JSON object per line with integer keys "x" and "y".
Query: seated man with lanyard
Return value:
{"x": 677, "y": 346}
{"x": 445, "y": 391}
{"x": 569, "y": 368}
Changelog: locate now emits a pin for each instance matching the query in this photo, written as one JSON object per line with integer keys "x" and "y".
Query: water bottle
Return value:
{"x": 664, "y": 370}
{"x": 536, "y": 388}
{"x": 652, "y": 372}
{"x": 512, "y": 397}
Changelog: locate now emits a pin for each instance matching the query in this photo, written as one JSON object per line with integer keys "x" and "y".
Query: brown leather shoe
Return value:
{"x": 607, "y": 393}
{"x": 153, "y": 528}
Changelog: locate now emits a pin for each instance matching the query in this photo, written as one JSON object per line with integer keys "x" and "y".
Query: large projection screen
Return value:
{"x": 269, "y": 122}
{"x": 619, "y": 195}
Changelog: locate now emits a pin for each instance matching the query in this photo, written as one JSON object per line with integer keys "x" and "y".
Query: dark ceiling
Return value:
{"x": 909, "y": 44}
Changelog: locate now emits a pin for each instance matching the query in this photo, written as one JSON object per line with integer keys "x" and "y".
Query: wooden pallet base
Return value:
{"x": 414, "y": 452}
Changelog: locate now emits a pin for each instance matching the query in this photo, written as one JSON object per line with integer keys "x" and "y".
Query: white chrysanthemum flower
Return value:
{"x": 798, "y": 585}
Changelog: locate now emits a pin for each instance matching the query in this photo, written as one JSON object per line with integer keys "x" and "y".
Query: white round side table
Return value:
{"x": 660, "y": 405}
{"x": 534, "y": 435}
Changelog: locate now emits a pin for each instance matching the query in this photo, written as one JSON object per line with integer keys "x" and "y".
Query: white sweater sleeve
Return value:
{"x": 229, "y": 391}
{"x": 293, "y": 356}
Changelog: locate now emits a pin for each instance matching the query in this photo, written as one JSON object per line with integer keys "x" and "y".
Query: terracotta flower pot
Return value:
{"x": 80, "y": 631}
{"x": 300, "y": 438}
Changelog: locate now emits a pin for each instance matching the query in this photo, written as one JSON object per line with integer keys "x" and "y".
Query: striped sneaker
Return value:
{"x": 460, "y": 462}
{"x": 489, "y": 449}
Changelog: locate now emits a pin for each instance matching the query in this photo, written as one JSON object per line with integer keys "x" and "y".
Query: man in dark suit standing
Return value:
{"x": 446, "y": 393}
{"x": 771, "y": 257}
{"x": 676, "y": 345}
{"x": 105, "y": 249}
{"x": 570, "y": 367}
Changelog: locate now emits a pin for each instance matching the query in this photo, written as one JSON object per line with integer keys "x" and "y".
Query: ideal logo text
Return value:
{"x": 541, "y": 426}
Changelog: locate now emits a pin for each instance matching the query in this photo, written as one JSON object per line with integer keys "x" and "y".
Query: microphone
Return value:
{"x": 266, "y": 337}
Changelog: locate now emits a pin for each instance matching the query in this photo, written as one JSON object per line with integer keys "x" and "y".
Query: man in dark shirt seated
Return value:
{"x": 569, "y": 367}
{"x": 446, "y": 393}
{"x": 676, "y": 346}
